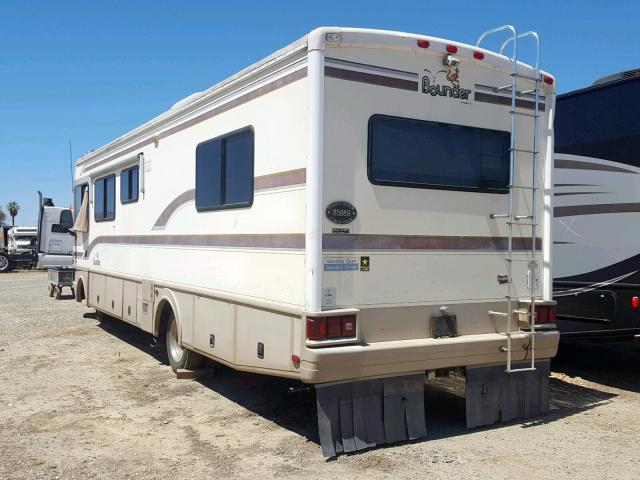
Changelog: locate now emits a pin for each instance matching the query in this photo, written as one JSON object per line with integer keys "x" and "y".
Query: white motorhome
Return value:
{"x": 358, "y": 209}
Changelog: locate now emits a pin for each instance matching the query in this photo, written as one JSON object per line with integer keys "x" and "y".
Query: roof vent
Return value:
{"x": 186, "y": 100}
{"x": 618, "y": 76}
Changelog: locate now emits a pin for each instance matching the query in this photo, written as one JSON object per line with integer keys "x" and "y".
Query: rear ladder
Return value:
{"x": 530, "y": 218}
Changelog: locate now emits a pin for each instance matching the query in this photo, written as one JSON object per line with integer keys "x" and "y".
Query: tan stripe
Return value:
{"x": 276, "y": 241}
{"x": 576, "y": 210}
{"x": 330, "y": 242}
{"x": 422, "y": 242}
{"x": 269, "y": 87}
{"x": 274, "y": 180}
{"x": 498, "y": 100}
{"x": 281, "y": 179}
{"x": 370, "y": 78}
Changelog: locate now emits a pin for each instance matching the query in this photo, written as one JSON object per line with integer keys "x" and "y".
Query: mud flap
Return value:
{"x": 493, "y": 395}
{"x": 353, "y": 416}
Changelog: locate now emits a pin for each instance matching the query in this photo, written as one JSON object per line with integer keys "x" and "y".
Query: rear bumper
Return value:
{"x": 401, "y": 357}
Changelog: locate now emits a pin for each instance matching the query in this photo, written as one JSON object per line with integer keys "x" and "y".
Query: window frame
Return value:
{"x": 104, "y": 179}
{"x": 223, "y": 162}
{"x": 432, "y": 186}
{"x": 137, "y": 192}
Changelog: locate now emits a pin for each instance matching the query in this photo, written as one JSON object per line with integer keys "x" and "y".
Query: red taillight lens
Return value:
{"x": 452, "y": 49}
{"x": 423, "y": 43}
{"x": 478, "y": 55}
{"x": 334, "y": 327}
{"x": 545, "y": 313}
{"x": 635, "y": 303}
{"x": 547, "y": 80}
{"x": 316, "y": 328}
{"x": 331, "y": 327}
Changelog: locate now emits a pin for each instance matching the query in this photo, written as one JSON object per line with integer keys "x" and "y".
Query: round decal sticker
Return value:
{"x": 341, "y": 212}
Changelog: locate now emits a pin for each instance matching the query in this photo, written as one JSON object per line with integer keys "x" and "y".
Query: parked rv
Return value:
{"x": 597, "y": 207}
{"x": 356, "y": 210}
{"x": 48, "y": 245}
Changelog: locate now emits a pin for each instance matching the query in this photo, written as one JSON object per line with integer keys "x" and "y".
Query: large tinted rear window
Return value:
{"x": 416, "y": 153}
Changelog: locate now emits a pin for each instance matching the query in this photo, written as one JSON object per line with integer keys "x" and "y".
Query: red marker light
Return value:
{"x": 423, "y": 43}
{"x": 295, "y": 359}
{"x": 635, "y": 303}
{"x": 478, "y": 55}
{"x": 452, "y": 49}
{"x": 547, "y": 80}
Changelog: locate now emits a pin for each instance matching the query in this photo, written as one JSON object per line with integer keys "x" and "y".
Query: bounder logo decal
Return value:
{"x": 444, "y": 83}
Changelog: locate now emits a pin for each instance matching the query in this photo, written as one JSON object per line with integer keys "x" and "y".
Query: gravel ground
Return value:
{"x": 80, "y": 400}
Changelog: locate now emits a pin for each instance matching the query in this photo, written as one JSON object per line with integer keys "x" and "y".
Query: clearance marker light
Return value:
{"x": 452, "y": 49}
{"x": 548, "y": 80}
{"x": 478, "y": 55}
{"x": 423, "y": 43}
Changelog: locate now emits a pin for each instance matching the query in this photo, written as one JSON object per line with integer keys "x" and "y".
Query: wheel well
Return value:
{"x": 164, "y": 312}
{"x": 80, "y": 295}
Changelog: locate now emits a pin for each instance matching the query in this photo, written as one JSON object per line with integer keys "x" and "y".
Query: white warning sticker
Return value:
{"x": 338, "y": 264}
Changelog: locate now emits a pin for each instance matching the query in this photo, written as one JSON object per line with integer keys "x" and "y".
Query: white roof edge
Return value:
{"x": 313, "y": 39}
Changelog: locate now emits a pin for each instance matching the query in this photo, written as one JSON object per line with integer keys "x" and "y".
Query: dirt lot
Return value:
{"x": 80, "y": 399}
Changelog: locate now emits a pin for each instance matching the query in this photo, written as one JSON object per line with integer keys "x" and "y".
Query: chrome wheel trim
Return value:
{"x": 175, "y": 350}
{"x": 4, "y": 262}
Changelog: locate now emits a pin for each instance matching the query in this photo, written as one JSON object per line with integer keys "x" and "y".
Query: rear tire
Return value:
{"x": 179, "y": 357}
{"x": 5, "y": 263}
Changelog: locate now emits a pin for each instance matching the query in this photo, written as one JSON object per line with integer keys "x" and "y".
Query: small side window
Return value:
{"x": 104, "y": 203}
{"x": 65, "y": 222}
{"x": 129, "y": 185}
{"x": 79, "y": 193}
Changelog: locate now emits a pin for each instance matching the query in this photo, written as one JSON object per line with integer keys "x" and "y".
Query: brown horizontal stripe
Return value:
{"x": 275, "y": 180}
{"x": 330, "y": 242}
{"x": 277, "y": 241}
{"x": 578, "y": 165}
{"x": 281, "y": 179}
{"x": 422, "y": 242}
{"x": 576, "y": 210}
{"x": 371, "y": 78}
{"x": 499, "y": 100}
{"x": 258, "y": 92}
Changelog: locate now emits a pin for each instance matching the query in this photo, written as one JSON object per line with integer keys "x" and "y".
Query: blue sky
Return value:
{"x": 90, "y": 71}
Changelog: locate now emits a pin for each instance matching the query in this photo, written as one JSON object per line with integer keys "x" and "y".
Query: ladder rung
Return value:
{"x": 525, "y": 114}
{"x": 498, "y": 215}
{"x": 524, "y": 150}
{"x": 498, "y": 314}
{"x": 526, "y": 77}
{"x": 523, "y": 224}
{"x": 517, "y": 370}
{"x": 526, "y": 92}
{"x": 504, "y": 87}
{"x": 522, "y": 217}
{"x": 523, "y": 187}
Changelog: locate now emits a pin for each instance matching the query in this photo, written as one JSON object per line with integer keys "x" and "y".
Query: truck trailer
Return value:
{"x": 357, "y": 210}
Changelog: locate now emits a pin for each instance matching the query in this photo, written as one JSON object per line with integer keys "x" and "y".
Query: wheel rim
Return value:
{"x": 4, "y": 262}
{"x": 175, "y": 350}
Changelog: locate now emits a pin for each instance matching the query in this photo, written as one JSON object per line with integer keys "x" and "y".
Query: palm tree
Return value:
{"x": 13, "y": 208}
{"x": 2, "y": 216}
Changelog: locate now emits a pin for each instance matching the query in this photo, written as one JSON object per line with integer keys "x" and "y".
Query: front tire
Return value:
{"x": 5, "y": 263}
{"x": 179, "y": 357}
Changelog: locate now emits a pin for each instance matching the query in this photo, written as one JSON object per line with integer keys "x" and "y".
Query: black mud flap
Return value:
{"x": 493, "y": 395}
{"x": 353, "y": 416}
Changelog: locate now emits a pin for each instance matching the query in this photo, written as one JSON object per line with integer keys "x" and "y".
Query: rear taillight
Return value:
{"x": 545, "y": 313}
{"x": 323, "y": 328}
{"x": 635, "y": 303}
